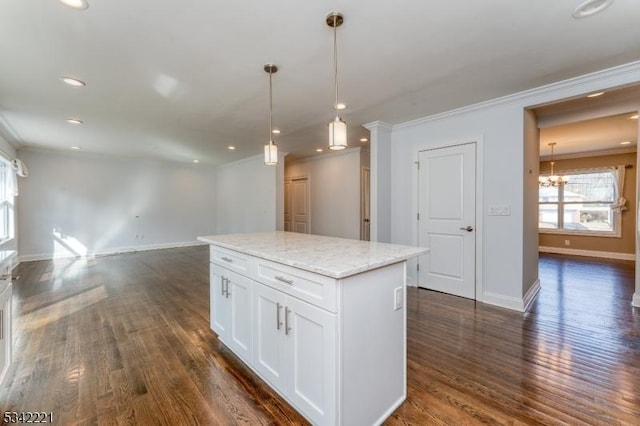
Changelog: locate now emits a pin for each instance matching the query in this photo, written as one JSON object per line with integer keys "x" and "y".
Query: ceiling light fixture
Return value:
{"x": 74, "y": 121}
{"x": 364, "y": 140}
{"x": 595, "y": 95}
{"x": 76, "y": 148}
{"x": 590, "y": 8}
{"x": 552, "y": 179}
{"x": 76, "y": 4}
{"x": 270, "y": 149}
{"x": 634, "y": 117}
{"x": 319, "y": 150}
{"x": 625, "y": 143}
{"x": 337, "y": 127}
{"x": 196, "y": 161}
{"x": 275, "y": 131}
{"x": 231, "y": 147}
{"x": 73, "y": 81}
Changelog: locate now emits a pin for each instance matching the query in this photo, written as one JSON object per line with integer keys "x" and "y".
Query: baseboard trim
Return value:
{"x": 110, "y": 252}
{"x": 513, "y": 303}
{"x": 636, "y": 300}
{"x": 588, "y": 253}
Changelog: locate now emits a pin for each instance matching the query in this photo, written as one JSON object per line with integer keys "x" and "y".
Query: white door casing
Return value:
{"x": 447, "y": 204}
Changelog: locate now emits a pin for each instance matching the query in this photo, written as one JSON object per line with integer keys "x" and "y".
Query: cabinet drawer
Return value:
{"x": 230, "y": 259}
{"x": 313, "y": 288}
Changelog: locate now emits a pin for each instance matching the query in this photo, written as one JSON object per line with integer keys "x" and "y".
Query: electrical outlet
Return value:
{"x": 397, "y": 299}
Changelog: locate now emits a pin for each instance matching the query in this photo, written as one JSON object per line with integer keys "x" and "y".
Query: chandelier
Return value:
{"x": 552, "y": 179}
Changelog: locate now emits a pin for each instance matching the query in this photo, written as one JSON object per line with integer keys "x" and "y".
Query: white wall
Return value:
{"x": 74, "y": 201}
{"x": 334, "y": 181}
{"x": 499, "y": 125}
{"x": 248, "y": 194}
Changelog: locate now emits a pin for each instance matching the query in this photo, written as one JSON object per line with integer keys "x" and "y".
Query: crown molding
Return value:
{"x": 587, "y": 154}
{"x": 325, "y": 156}
{"x": 621, "y": 75}
{"x": 375, "y": 125}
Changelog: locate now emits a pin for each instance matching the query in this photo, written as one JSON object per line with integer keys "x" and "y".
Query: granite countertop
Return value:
{"x": 333, "y": 257}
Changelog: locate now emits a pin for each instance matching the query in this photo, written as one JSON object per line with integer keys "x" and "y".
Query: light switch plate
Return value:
{"x": 500, "y": 210}
{"x": 397, "y": 299}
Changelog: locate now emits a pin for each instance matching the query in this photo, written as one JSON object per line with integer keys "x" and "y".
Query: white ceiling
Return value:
{"x": 182, "y": 80}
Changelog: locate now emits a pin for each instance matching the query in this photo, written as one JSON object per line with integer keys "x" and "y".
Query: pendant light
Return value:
{"x": 552, "y": 179}
{"x": 337, "y": 127}
{"x": 270, "y": 149}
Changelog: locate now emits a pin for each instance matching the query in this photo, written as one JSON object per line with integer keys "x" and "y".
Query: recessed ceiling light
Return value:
{"x": 74, "y": 121}
{"x": 634, "y": 117}
{"x": 364, "y": 140}
{"x": 625, "y": 143}
{"x": 319, "y": 150}
{"x": 76, "y": 4}
{"x": 76, "y": 148}
{"x": 231, "y": 147}
{"x": 276, "y": 131}
{"x": 196, "y": 161}
{"x": 590, "y": 8}
{"x": 73, "y": 81}
{"x": 340, "y": 106}
{"x": 595, "y": 95}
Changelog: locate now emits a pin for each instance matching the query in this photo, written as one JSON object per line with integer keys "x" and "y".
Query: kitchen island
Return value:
{"x": 322, "y": 320}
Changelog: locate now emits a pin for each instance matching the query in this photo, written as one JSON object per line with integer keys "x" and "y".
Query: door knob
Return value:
{"x": 467, "y": 228}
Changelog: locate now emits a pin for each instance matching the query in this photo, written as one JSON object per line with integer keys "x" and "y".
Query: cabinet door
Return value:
{"x": 311, "y": 358}
{"x": 268, "y": 335}
{"x": 239, "y": 296}
{"x": 220, "y": 307}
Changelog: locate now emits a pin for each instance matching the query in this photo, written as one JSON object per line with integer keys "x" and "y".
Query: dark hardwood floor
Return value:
{"x": 125, "y": 340}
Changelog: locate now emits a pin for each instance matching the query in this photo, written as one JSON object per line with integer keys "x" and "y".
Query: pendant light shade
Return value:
{"x": 270, "y": 154}
{"x": 337, "y": 134}
{"x": 270, "y": 149}
{"x": 337, "y": 127}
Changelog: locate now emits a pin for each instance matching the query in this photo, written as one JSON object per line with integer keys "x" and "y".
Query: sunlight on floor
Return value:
{"x": 54, "y": 312}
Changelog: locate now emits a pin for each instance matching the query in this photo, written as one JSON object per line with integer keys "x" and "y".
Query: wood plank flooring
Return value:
{"x": 125, "y": 340}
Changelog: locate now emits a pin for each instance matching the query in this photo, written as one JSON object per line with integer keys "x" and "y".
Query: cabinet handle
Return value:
{"x": 283, "y": 279}
{"x": 226, "y": 289}
{"x": 287, "y": 329}
{"x": 226, "y": 259}
{"x": 222, "y": 285}
{"x": 278, "y": 323}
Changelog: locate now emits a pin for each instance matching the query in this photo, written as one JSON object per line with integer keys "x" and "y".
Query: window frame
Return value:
{"x": 7, "y": 203}
{"x": 617, "y": 216}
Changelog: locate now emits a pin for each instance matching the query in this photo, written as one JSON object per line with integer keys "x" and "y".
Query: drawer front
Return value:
{"x": 313, "y": 288}
{"x": 230, "y": 259}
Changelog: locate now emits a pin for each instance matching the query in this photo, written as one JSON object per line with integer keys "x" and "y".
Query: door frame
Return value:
{"x": 479, "y": 225}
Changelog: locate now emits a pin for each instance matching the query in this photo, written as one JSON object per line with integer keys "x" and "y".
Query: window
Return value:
{"x": 7, "y": 192}
{"x": 582, "y": 205}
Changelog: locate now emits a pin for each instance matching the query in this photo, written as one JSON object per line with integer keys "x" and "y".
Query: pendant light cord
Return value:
{"x": 270, "y": 109}
{"x": 335, "y": 59}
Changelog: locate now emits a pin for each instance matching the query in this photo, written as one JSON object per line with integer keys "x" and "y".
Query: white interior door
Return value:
{"x": 300, "y": 205}
{"x": 446, "y": 225}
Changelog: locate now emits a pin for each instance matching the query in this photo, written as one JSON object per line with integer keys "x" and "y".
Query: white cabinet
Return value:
{"x": 295, "y": 351}
{"x": 5, "y": 327}
{"x": 231, "y": 310}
